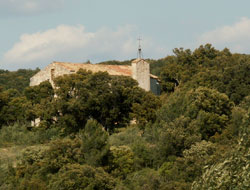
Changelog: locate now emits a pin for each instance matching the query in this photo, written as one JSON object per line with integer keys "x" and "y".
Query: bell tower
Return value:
{"x": 141, "y": 70}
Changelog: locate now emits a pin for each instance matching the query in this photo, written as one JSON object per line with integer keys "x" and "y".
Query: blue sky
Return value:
{"x": 36, "y": 32}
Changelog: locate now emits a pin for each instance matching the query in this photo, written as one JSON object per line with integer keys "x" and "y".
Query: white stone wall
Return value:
{"x": 40, "y": 77}
{"x": 141, "y": 73}
{"x": 45, "y": 74}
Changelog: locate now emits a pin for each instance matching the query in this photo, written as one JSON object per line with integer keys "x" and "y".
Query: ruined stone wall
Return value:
{"x": 49, "y": 73}
{"x": 141, "y": 73}
{"x": 41, "y": 76}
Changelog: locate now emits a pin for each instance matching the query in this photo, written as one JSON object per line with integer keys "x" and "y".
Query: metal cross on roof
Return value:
{"x": 139, "y": 49}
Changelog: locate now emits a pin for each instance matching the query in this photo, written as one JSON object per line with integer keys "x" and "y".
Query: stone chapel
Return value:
{"x": 138, "y": 70}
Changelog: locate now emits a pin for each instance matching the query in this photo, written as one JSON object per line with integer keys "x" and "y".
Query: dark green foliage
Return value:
{"x": 126, "y": 137}
{"x": 18, "y": 80}
{"x": 98, "y": 131}
{"x": 170, "y": 78}
{"x": 245, "y": 103}
{"x": 3, "y": 103}
{"x": 132, "y": 139}
{"x": 37, "y": 165}
{"x": 36, "y": 94}
{"x": 77, "y": 177}
{"x": 236, "y": 81}
{"x": 144, "y": 108}
{"x": 233, "y": 171}
{"x": 114, "y": 62}
{"x": 146, "y": 179}
{"x": 13, "y": 107}
{"x": 94, "y": 143}
{"x": 21, "y": 134}
{"x": 195, "y": 159}
{"x": 208, "y": 110}
{"x": 109, "y": 100}
{"x": 205, "y": 66}
{"x": 121, "y": 161}
{"x": 176, "y": 137}
{"x": 58, "y": 166}
{"x": 42, "y": 106}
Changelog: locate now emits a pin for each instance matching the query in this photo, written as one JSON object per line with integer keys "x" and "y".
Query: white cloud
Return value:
{"x": 75, "y": 44}
{"x": 27, "y": 7}
{"x": 236, "y": 37}
{"x": 42, "y": 45}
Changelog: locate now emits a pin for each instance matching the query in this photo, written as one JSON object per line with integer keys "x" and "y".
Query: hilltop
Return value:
{"x": 104, "y": 132}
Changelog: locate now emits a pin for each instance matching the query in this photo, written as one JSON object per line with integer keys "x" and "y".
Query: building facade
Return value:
{"x": 139, "y": 70}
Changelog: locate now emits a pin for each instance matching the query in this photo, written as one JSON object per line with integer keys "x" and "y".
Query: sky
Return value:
{"x": 34, "y": 33}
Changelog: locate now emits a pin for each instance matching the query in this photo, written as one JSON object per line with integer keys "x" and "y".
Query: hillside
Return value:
{"x": 18, "y": 80}
{"x": 104, "y": 132}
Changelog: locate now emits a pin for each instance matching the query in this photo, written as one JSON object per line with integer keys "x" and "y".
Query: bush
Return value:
{"x": 94, "y": 146}
{"x": 77, "y": 177}
{"x": 121, "y": 161}
{"x": 19, "y": 134}
{"x": 127, "y": 137}
{"x": 146, "y": 179}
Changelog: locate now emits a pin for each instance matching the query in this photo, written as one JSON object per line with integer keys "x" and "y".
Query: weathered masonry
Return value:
{"x": 139, "y": 70}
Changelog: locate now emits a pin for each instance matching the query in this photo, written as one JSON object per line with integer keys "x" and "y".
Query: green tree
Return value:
{"x": 13, "y": 107}
{"x": 41, "y": 104}
{"x": 17, "y": 80}
{"x": 107, "y": 99}
{"x": 210, "y": 110}
{"x": 170, "y": 77}
{"x": 144, "y": 108}
{"x": 77, "y": 177}
{"x": 231, "y": 172}
{"x": 94, "y": 143}
{"x": 121, "y": 161}
{"x": 173, "y": 138}
{"x": 146, "y": 179}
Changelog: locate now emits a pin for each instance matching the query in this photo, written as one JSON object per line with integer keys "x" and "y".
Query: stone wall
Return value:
{"x": 49, "y": 73}
{"x": 141, "y": 73}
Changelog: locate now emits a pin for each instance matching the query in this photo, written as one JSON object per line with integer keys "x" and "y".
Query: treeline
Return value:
{"x": 114, "y": 62}
{"x": 104, "y": 132}
{"x": 221, "y": 70}
{"x": 18, "y": 80}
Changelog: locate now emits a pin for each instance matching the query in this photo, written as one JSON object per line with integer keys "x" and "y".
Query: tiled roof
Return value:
{"x": 124, "y": 70}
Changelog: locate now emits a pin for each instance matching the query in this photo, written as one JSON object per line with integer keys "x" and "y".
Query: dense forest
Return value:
{"x": 98, "y": 131}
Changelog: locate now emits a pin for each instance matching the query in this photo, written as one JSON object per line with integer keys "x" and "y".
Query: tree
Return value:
{"x": 17, "y": 80}
{"x": 40, "y": 92}
{"x": 77, "y": 177}
{"x": 144, "y": 108}
{"x": 146, "y": 179}
{"x": 229, "y": 173}
{"x": 94, "y": 143}
{"x": 107, "y": 99}
{"x": 121, "y": 161}
{"x": 170, "y": 78}
{"x": 173, "y": 138}
{"x": 13, "y": 107}
{"x": 210, "y": 110}
{"x": 3, "y": 103}
{"x": 41, "y": 104}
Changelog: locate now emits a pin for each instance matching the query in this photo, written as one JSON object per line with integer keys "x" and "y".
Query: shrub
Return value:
{"x": 77, "y": 177}
{"x": 19, "y": 134}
